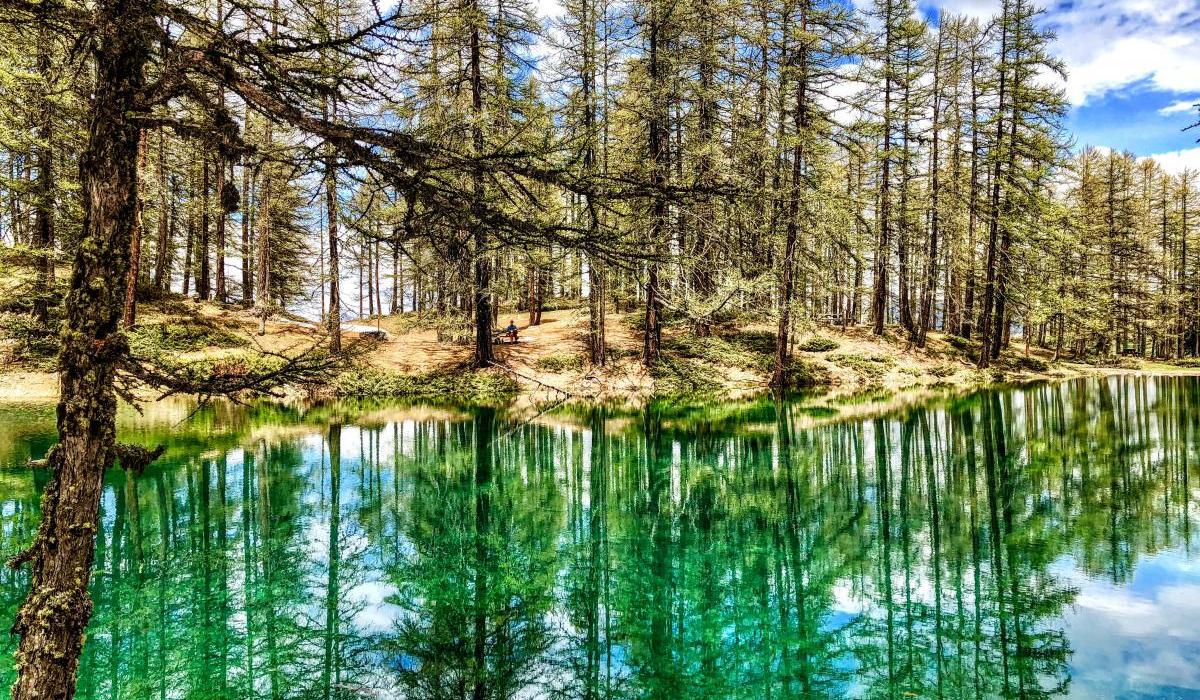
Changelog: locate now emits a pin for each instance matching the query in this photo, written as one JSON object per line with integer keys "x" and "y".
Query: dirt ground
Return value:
{"x": 412, "y": 348}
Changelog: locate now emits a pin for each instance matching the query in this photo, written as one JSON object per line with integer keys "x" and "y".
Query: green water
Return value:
{"x": 1026, "y": 543}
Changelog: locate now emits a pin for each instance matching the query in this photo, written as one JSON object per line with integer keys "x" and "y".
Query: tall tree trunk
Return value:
{"x": 44, "y": 153}
{"x": 135, "y": 244}
{"x": 879, "y": 300}
{"x": 484, "y": 356}
{"x": 203, "y": 269}
{"x": 221, "y": 294}
{"x": 335, "y": 267}
{"x": 1001, "y": 324}
{"x": 162, "y": 247}
{"x": 652, "y": 331}
{"x": 247, "y": 244}
{"x": 264, "y": 241}
{"x": 989, "y": 288}
{"x": 935, "y": 214}
{"x": 788, "y": 264}
{"x": 968, "y": 315}
{"x": 55, "y": 613}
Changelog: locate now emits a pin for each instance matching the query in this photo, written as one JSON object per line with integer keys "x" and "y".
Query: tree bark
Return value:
{"x": 54, "y": 615}
{"x": 44, "y": 153}
{"x": 135, "y": 243}
{"x": 484, "y": 356}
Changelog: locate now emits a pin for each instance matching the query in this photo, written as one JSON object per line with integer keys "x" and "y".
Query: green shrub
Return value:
{"x": 961, "y": 344}
{"x": 802, "y": 374}
{"x": 182, "y": 336}
{"x": 1028, "y": 364}
{"x": 944, "y": 369}
{"x": 561, "y": 362}
{"x": 31, "y": 342}
{"x": 762, "y": 342}
{"x": 485, "y": 386}
{"x": 716, "y": 351}
{"x": 818, "y": 343}
{"x": 678, "y": 377}
{"x": 872, "y": 366}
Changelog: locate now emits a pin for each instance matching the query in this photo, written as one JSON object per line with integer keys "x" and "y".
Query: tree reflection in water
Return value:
{"x": 733, "y": 551}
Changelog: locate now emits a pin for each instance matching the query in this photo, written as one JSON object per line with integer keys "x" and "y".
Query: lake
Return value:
{"x": 1025, "y": 543}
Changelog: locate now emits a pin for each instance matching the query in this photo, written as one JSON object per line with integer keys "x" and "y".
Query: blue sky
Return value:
{"x": 1133, "y": 71}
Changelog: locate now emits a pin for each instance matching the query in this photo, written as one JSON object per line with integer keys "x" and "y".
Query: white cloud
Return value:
{"x": 1179, "y": 107}
{"x": 1111, "y": 44}
{"x": 1176, "y": 162}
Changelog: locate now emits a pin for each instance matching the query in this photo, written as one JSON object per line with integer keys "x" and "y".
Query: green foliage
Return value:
{"x": 717, "y": 351}
{"x": 487, "y": 386}
{"x": 560, "y": 362}
{"x": 818, "y": 343}
{"x": 31, "y": 343}
{"x": 182, "y": 336}
{"x": 870, "y": 366}
{"x": 801, "y": 374}
{"x": 1021, "y": 363}
{"x": 677, "y": 377}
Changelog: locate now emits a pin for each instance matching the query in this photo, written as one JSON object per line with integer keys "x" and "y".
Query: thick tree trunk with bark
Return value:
{"x": 52, "y": 619}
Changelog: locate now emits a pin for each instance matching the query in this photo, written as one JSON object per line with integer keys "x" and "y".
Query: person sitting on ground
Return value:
{"x": 511, "y": 331}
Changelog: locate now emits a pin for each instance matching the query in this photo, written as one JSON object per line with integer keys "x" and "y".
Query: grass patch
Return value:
{"x": 818, "y": 343}
{"x": 472, "y": 387}
{"x": 31, "y": 343}
{"x": 182, "y": 336}
{"x": 561, "y": 362}
{"x": 675, "y": 377}
{"x": 802, "y": 374}
{"x": 717, "y": 351}
{"x": 872, "y": 366}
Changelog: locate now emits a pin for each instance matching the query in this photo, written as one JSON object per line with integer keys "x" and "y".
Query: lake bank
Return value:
{"x": 406, "y": 356}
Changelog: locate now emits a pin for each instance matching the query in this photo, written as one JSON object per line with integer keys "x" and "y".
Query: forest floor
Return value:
{"x": 548, "y": 364}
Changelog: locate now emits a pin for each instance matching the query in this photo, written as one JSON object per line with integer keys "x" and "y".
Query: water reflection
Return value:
{"x": 1024, "y": 544}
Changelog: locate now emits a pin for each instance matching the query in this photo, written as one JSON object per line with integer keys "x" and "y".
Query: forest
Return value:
{"x": 685, "y": 166}
{"x": 798, "y": 163}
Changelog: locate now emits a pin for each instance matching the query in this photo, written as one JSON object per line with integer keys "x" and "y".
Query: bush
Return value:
{"x": 754, "y": 341}
{"x": 944, "y": 369}
{"x": 802, "y": 374}
{"x": 1028, "y": 364}
{"x": 818, "y": 343}
{"x": 31, "y": 342}
{"x": 182, "y": 336}
{"x": 477, "y": 387}
{"x": 561, "y": 362}
{"x": 969, "y": 347}
{"x": 872, "y": 366}
{"x": 719, "y": 352}
{"x": 677, "y": 377}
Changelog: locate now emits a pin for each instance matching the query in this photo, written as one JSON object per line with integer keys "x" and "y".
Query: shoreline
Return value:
{"x": 412, "y": 361}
